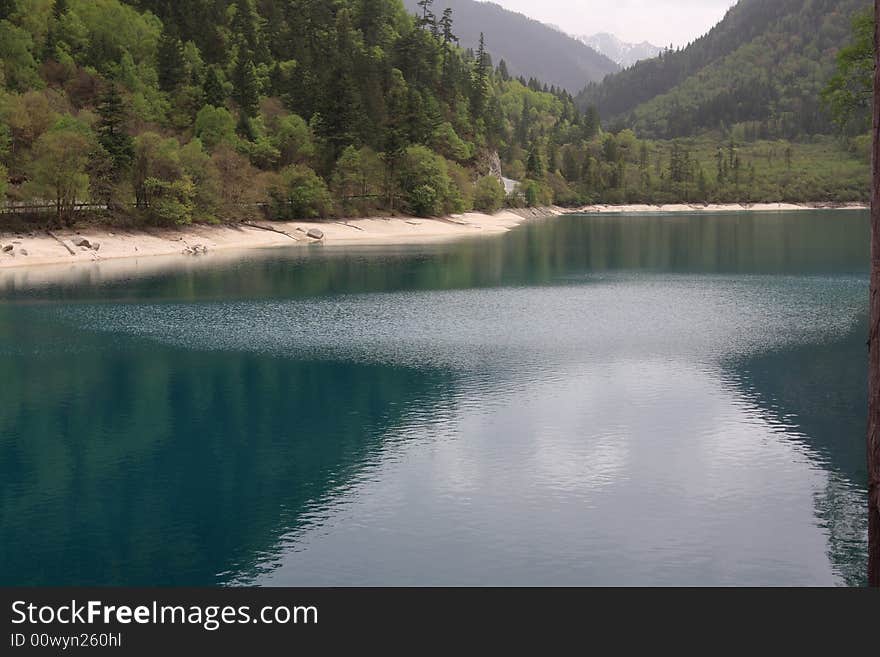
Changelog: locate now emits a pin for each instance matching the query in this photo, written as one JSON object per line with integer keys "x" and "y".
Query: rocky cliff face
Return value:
{"x": 492, "y": 164}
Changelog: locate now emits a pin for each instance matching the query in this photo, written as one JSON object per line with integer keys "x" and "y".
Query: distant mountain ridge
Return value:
{"x": 530, "y": 48}
{"x": 623, "y": 53}
{"x": 763, "y": 67}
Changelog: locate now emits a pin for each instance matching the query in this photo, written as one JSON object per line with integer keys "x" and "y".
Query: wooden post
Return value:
{"x": 874, "y": 336}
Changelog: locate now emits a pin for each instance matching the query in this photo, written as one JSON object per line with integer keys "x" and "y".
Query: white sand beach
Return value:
{"x": 85, "y": 244}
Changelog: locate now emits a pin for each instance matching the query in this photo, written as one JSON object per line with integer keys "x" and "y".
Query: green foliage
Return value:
{"x": 764, "y": 65}
{"x": 446, "y": 142}
{"x": 156, "y": 160}
{"x": 300, "y": 194}
{"x": 850, "y": 92}
{"x": 395, "y": 115}
{"x": 19, "y": 68}
{"x": 293, "y": 139}
{"x": 263, "y": 153}
{"x": 711, "y": 169}
{"x": 5, "y": 137}
{"x": 215, "y": 92}
{"x": 535, "y": 193}
{"x": 170, "y": 61}
{"x": 425, "y": 182}
{"x": 171, "y": 202}
{"x": 58, "y": 170}
{"x": 535, "y": 163}
{"x": 246, "y": 87}
{"x": 489, "y": 194}
{"x": 358, "y": 179}
{"x": 112, "y": 130}
{"x": 4, "y": 176}
{"x": 214, "y": 126}
{"x": 99, "y": 33}
{"x": 205, "y": 177}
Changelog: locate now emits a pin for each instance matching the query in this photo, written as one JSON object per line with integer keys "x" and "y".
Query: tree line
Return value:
{"x": 177, "y": 112}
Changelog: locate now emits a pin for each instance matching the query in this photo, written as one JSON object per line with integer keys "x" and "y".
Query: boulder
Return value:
{"x": 8, "y": 248}
{"x": 82, "y": 241}
{"x": 96, "y": 246}
{"x": 315, "y": 234}
{"x": 23, "y": 252}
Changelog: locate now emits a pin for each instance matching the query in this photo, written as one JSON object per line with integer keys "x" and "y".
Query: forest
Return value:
{"x": 168, "y": 113}
{"x": 766, "y": 62}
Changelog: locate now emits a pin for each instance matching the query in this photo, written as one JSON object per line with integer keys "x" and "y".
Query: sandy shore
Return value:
{"x": 63, "y": 247}
{"x": 726, "y": 207}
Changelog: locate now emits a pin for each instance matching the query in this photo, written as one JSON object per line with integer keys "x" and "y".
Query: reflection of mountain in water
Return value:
{"x": 817, "y": 392}
{"x": 156, "y": 466}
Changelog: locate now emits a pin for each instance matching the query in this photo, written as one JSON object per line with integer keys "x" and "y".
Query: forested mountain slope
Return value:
{"x": 166, "y": 113}
{"x": 173, "y": 112}
{"x": 530, "y": 49}
{"x": 765, "y": 64}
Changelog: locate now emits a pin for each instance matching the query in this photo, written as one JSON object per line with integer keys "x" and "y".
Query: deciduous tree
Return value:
{"x": 59, "y": 170}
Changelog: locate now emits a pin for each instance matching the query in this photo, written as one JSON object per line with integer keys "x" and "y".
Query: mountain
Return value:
{"x": 621, "y": 52}
{"x": 531, "y": 49}
{"x": 764, "y": 65}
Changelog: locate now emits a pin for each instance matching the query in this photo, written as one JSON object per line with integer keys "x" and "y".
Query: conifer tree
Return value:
{"x": 480, "y": 84}
{"x": 215, "y": 94}
{"x": 59, "y": 8}
{"x": 247, "y": 88}
{"x": 112, "y": 133}
{"x": 535, "y": 164}
{"x": 170, "y": 61}
{"x": 248, "y": 30}
{"x": 427, "y": 18}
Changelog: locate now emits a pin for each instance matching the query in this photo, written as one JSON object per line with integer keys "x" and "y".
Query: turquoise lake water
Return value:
{"x": 588, "y": 400}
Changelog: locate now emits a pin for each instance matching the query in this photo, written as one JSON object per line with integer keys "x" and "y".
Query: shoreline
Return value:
{"x": 43, "y": 248}
{"x": 36, "y": 249}
{"x": 714, "y": 207}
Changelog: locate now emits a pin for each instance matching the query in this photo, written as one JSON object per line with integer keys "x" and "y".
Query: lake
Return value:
{"x": 588, "y": 400}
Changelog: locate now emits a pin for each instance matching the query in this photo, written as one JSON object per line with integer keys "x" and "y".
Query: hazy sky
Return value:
{"x": 659, "y": 21}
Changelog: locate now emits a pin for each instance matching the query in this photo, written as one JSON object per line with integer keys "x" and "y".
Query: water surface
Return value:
{"x": 587, "y": 400}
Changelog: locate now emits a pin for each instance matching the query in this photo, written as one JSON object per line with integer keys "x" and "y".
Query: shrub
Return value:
{"x": 489, "y": 194}
{"x": 300, "y": 194}
{"x": 215, "y": 126}
{"x": 172, "y": 202}
{"x": 535, "y": 193}
{"x": 446, "y": 141}
{"x": 425, "y": 183}
{"x": 461, "y": 189}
